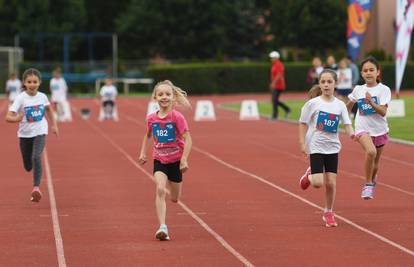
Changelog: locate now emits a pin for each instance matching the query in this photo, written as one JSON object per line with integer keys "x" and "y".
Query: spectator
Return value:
{"x": 315, "y": 71}
{"x": 277, "y": 84}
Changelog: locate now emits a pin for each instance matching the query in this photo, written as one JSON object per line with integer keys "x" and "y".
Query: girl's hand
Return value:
{"x": 19, "y": 117}
{"x": 183, "y": 165}
{"x": 353, "y": 137}
{"x": 55, "y": 130}
{"x": 368, "y": 96}
{"x": 142, "y": 159}
{"x": 303, "y": 150}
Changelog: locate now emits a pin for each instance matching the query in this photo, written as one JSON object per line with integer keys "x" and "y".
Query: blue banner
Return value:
{"x": 358, "y": 16}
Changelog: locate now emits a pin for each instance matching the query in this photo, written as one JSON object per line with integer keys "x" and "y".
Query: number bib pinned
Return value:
{"x": 365, "y": 109}
{"x": 327, "y": 122}
{"x": 164, "y": 134}
{"x": 34, "y": 113}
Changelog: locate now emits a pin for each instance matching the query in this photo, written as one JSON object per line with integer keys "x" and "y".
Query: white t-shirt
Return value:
{"x": 13, "y": 87}
{"x": 372, "y": 123}
{"x": 344, "y": 79}
{"x": 108, "y": 92}
{"x": 322, "y": 118}
{"x": 34, "y": 122}
{"x": 59, "y": 89}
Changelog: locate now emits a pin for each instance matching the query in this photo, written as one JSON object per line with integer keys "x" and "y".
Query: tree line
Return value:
{"x": 180, "y": 29}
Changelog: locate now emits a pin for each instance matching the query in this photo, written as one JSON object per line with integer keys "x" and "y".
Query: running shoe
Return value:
{"x": 329, "y": 219}
{"x": 162, "y": 233}
{"x": 304, "y": 180}
{"x": 36, "y": 194}
{"x": 374, "y": 180}
{"x": 368, "y": 191}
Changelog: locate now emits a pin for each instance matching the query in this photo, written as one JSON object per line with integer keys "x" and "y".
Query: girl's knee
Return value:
{"x": 160, "y": 191}
{"x": 371, "y": 153}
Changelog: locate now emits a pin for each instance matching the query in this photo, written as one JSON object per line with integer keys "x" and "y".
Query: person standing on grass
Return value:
{"x": 318, "y": 138}
{"x": 171, "y": 148}
{"x": 13, "y": 87}
{"x": 29, "y": 110}
{"x": 277, "y": 84}
{"x": 371, "y": 125}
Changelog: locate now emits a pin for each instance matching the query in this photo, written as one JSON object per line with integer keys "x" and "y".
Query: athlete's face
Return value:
{"x": 370, "y": 73}
{"x": 31, "y": 83}
{"x": 327, "y": 84}
{"x": 164, "y": 96}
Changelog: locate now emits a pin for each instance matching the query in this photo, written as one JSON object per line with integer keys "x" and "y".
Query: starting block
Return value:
{"x": 204, "y": 111}
{"x": 249, "y": 110}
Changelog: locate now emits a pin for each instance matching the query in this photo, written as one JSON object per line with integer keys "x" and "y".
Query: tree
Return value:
{"x": 317, "y": 25}
{"x": 190, "y": 28}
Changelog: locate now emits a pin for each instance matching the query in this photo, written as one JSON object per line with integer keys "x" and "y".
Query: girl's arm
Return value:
{"x": 350, "y": 131}
{"x": 51, "y": 114}
{"x": 303, "y": 128}
{"x": 187, "y": 148}
{"x": 381, "y": 110}
{"x": 14, "y": 117}
{"x": 144, "y": 147}
{"x": 350, "y": 105}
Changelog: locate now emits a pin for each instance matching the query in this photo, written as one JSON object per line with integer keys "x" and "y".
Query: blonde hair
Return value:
{"x": 314, "y": 91}
{"x": 179, "y": 94}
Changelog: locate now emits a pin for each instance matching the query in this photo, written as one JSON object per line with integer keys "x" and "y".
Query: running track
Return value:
{"x": 241, "y": 202}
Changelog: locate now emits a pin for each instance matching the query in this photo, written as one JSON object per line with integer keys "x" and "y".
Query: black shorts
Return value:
{"x": 108, "y": 103}
{"x": 172, "y": 170}
{"x": 321, "y": 163}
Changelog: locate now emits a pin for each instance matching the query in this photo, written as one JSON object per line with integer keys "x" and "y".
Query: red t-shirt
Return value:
{"x": 278, "y": 68}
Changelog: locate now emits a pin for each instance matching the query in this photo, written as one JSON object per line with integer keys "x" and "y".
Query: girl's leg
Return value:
{"x": 175, "y": 191}
{"x": 38, "y": 146}
{"x": 370, "y": 155}
{"x": 26, "y": 148}
{"x": 376, "y": 162}
{"x": 160, "y": 205}
{"x": 330, "y": 185}
{"x": 316, "y": 180}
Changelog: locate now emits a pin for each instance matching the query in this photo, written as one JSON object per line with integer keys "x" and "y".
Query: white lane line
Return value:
{"x": 206, "y": 227}
{"x": 263, "y": 180}
{"x": 55, "y": 217}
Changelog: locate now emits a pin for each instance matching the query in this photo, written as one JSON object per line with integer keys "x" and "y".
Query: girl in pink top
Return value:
{"x": 172, "y": 145}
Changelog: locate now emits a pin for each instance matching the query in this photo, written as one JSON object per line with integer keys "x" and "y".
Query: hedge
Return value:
{"x": 225, "y": 78}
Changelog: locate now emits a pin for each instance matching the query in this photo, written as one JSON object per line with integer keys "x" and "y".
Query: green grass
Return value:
{"x": 401, "y": 128}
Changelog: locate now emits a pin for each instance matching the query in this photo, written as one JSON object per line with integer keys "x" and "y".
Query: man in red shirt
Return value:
{"x": 277, "y": 84}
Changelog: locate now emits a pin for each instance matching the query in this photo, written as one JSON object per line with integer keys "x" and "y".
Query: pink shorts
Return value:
{"x": 378, "y": 141}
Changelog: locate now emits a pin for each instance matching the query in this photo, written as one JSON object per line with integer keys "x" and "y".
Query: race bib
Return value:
{"x": 34, "y": 113}
{"x": 327, "y": 122}
{"x": 165, "y": 134}
{"x": 12, "y": 89}
{"x": 365, "y": 108}
{"x": 55, "y": 87}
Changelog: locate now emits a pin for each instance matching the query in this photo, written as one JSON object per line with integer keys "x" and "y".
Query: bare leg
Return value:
{"x": 330, "y": 185}
{"x": 316, "y": 180}
{"x": 175, "y": 191}
{"x": 376, "y": 162}
{"x": 160, "y": 205}
{"x": 370, "y": 155}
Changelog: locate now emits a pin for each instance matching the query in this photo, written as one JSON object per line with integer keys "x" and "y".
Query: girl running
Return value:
{"x": 172, "y": 145}
{"x": 371, "y": 125}
{"x": 318, "y": 137}
{"x": 28, "y": 110}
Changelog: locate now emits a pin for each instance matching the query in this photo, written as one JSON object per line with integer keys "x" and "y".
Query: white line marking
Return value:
{"x": 263, "y": 180}
{"x": 55, "y": 217}
{"x": 220, "y": 239}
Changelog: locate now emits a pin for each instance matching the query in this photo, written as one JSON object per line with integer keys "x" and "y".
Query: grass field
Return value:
{"x": 401, "y": 128}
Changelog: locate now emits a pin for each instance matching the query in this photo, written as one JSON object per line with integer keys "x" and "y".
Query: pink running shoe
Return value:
{"x": 304, "y": 180}
{"x": 329, "y": 219}
{"x": 36, "y": 194}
